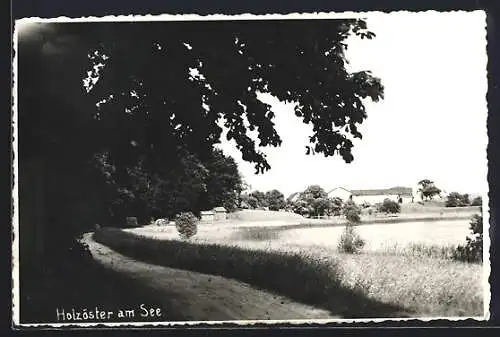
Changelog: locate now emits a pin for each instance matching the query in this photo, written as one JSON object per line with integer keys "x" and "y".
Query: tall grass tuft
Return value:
{"x": 422, "y": 250}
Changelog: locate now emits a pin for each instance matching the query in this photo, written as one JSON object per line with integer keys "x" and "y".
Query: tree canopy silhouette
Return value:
{"x": 160, "y": 86}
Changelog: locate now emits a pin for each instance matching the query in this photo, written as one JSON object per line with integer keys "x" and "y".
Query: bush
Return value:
{"x": 186, "y": 224}
{"x": 365, "y": 204}
{"x": 472, "y": 251}
{"x": 478, "y": 201}
{"x": 352, "y": 212}
{"x": 455, "y": 199}
{"x": 389, "y": 206}
{"x": 350, "y": 241}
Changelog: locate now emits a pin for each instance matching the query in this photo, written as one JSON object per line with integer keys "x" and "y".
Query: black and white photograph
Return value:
{"x": 284, "y": 168}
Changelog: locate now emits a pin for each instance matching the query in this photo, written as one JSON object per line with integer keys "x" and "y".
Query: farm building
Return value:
{"x": 293, "y": 197}
{"x": 340, "y": 192}
{"x": 207, "y": 215}
{"x": 220, "y": 213}
{"x": 215, "y": 214}
{"x": 400, "y": 194}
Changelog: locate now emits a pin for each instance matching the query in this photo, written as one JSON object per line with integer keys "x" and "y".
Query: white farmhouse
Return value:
{"x": 398, "y": 194}
{"x": 293, "y": 197}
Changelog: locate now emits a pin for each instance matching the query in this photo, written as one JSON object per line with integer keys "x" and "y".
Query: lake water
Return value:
{"x": 376, "y": 236}
{"x": 443, "y": 233}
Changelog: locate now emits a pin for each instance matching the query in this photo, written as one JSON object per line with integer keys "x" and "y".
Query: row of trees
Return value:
{"x": 428, "y": 191}
{"x": 313, "y": 201}
{"x": 456, "y": 199}
{"x": 273, "y": 200}
{"x": 191, "y": 185}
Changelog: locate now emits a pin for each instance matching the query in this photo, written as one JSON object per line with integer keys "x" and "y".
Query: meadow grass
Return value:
{"x": 421, "y": 250}
{"x": 298, "y": 276}
{"x": 431, "y": 287}
{"x": 416, "y": 280}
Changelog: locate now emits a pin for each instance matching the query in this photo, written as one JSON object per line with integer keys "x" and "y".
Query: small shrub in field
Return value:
{"x": 472, "y": 251}
{"x": 352, "y": 212}
{"x": 350, "y": 241}
{"x": 389, "y": 206}
{"x": 186, "y": 224}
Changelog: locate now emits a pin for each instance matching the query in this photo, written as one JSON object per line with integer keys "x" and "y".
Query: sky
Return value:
{"x": 431, "y": 124}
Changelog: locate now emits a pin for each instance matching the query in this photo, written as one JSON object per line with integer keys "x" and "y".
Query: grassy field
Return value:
{"x": 385, "y": 237}
{"x": 300, "y": 277}
{"x": 405, "y": 266}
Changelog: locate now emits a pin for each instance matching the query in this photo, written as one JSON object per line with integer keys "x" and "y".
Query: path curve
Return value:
{"x": 202, "y": 297}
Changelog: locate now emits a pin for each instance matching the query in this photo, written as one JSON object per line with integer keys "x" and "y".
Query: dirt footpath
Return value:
{"x": 201, "y": 297}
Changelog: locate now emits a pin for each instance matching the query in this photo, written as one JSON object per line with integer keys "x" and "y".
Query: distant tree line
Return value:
{"x": 273, "y": 200}
{"x": 456, "y": 199}
{"x": 312, "y": 202}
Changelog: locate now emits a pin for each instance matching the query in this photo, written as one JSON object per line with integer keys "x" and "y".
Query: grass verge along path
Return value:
{"x": 304, "y": 280}
{"x": 201, "y": 297}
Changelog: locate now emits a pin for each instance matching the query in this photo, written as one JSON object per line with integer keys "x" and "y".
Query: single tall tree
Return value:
{"x": 428, "y": 189}
{"x": 275, "y": 200}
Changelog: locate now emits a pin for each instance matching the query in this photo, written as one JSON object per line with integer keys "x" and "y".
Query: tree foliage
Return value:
{"x": 477, "y": 201}
{"x": 472, "y": 251}
{"x": 224, "y": 183}
{"x": 350, "y": 241}
{"x": 275, "y": 200}
{"x": 186, "y": 224}
{"x": 313, "y": 201}
{"x": 336, "y": 206}
{"x": 428, "y": 189}
{"x": 456, "y": 199}
{"x": 165, "y": 84}
{"x": 389, "y": 206}
{"x": 352, "y": 212}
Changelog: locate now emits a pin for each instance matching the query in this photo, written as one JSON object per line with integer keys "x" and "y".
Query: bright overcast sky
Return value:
{"x": 431, "y": 124}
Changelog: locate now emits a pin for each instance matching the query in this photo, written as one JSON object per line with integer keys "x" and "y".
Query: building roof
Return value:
{"x": 293, "y": 195}
{"x": 339, "y": 188}
{"x": 399, "y": 190}
{"x": 207, "y": 212}
{"x": 220, "y": 209}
